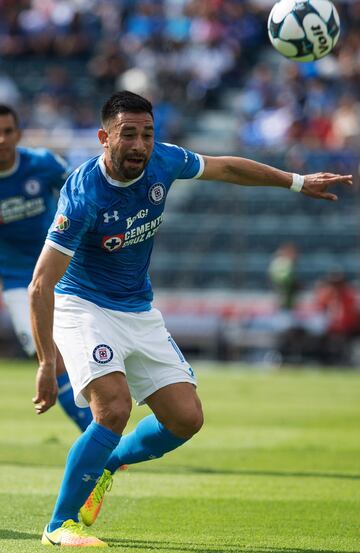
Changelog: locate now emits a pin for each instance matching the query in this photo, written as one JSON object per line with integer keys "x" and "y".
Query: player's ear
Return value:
{"x": 103, "y": 137}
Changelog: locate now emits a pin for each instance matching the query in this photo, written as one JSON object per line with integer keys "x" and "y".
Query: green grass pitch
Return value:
{"x": 276, "y": 469}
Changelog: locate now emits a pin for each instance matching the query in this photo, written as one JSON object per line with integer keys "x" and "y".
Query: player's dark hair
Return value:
{"x": 124, "y": 101}
{"x": 7, "y": 110}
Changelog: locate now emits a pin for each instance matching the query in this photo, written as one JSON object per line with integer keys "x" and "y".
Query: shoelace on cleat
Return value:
{"x": 101, "y": 488}
{"x": 76, "y": 528}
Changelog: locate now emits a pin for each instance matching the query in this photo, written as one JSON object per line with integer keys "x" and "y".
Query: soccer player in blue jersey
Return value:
{"x": 28, "y": 180}
{"x": 113, "y": 341}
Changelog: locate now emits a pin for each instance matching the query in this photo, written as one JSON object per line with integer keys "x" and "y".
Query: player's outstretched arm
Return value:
{"x": 50, "y": 267}
{"x": 246, "y": 172}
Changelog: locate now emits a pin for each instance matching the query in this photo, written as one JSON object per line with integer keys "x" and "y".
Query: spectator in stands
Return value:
{"x": 192, "y": 50}
{"x": 9, "y": 92}
{"x": 346, "y": 122}
{"x": 107, "y": 64}
{"x": 291, "y": 334}
{"x": 337, "y": 300}
{"x": 282, "y": 273}
{"x": 187, "y": 46}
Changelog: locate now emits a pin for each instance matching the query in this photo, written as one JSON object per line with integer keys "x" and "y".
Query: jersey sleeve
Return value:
{"x": 186, "y": 164}
{"x": 74, "y": 216}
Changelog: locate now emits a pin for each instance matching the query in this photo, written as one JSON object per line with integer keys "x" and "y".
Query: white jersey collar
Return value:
{"x": 114, "y": 182}
{"x": 12, "y": 169}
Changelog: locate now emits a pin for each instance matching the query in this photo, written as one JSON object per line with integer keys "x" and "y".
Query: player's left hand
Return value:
{"x": 46, "y": 390}
{"x": 317, "y": 184}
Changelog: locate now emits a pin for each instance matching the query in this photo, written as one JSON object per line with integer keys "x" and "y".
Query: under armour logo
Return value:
{"x": 88, "y": 477}
{"x": 108, "y": 217}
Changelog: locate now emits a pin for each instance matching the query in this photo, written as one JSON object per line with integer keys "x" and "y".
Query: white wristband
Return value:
{"x": 297, "y": 182}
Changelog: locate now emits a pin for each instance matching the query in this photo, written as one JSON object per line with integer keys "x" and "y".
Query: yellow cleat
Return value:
{"x": 71, "y": 534}
{"x": 91, "y": 508}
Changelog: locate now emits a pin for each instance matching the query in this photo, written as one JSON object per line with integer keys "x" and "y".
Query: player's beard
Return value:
{"x": 127, "y": 172}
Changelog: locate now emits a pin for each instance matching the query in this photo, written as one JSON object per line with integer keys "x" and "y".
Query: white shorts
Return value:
{"x": 95, "y": 341}
{"x": 17, "y": 303}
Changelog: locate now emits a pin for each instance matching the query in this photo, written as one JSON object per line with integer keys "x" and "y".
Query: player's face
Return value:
{"x": 128, "y": 143}
{"x": 9, "y": 137}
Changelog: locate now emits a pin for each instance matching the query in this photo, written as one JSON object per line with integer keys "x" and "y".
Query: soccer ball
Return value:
{"x": 304, "y": 30}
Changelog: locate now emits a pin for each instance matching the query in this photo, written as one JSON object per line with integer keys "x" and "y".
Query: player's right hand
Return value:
{"x": 46, "y": 390}
{"x": 317, "y": 184}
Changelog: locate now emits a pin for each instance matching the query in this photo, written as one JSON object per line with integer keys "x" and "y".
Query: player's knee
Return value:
{"x": 188, "y": 423}
{"x": 114, "y": 415}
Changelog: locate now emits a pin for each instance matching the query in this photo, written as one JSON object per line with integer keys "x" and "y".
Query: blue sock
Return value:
{"x": 84, "y": 465}
{"x": 149, "y": 440}
{"x": 81, "y": 416}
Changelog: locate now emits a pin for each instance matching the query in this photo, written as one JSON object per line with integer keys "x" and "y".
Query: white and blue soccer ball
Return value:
{"x": 304, "y": 30}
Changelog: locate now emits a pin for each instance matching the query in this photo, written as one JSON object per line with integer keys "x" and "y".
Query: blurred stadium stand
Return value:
{"x": 218, "y": 87}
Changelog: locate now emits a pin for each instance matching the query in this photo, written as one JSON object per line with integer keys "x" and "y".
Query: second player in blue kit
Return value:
{"x": 29, "y": 183}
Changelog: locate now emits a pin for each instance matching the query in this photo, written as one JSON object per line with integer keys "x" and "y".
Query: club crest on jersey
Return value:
{"x": 113, "y": 243}
{"x": 32, "y": 187}
{"x": 157, "y": 193}
{"x": 62, "y": 223}
{"x": 103, "y": 354}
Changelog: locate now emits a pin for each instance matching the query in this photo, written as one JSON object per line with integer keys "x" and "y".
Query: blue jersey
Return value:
{"x": 108, "y": 228}
{"x": 27, "y": 207}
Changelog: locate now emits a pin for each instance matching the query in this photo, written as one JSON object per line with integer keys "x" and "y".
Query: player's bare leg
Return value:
{"x": 178, "y": 408}
{"x": 110, "y": 401}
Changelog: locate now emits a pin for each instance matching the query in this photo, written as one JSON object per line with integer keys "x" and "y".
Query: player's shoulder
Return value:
{"x": 41, "y": 158}
{"x": 169, "y": 158}
{"x": 38, "y": 155}
{"x": 81, "y": 181}
{"x": 174, "y": 152}
{"x": 176, "y": 161}
{"x": 168, "y": 151}
{"x": 86, "y": 172}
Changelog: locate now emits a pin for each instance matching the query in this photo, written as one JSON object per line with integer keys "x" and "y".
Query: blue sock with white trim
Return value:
{"x": 149, "y": 440}
{"x": 81, "y": 416}
{"x": 84, "y": 465}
